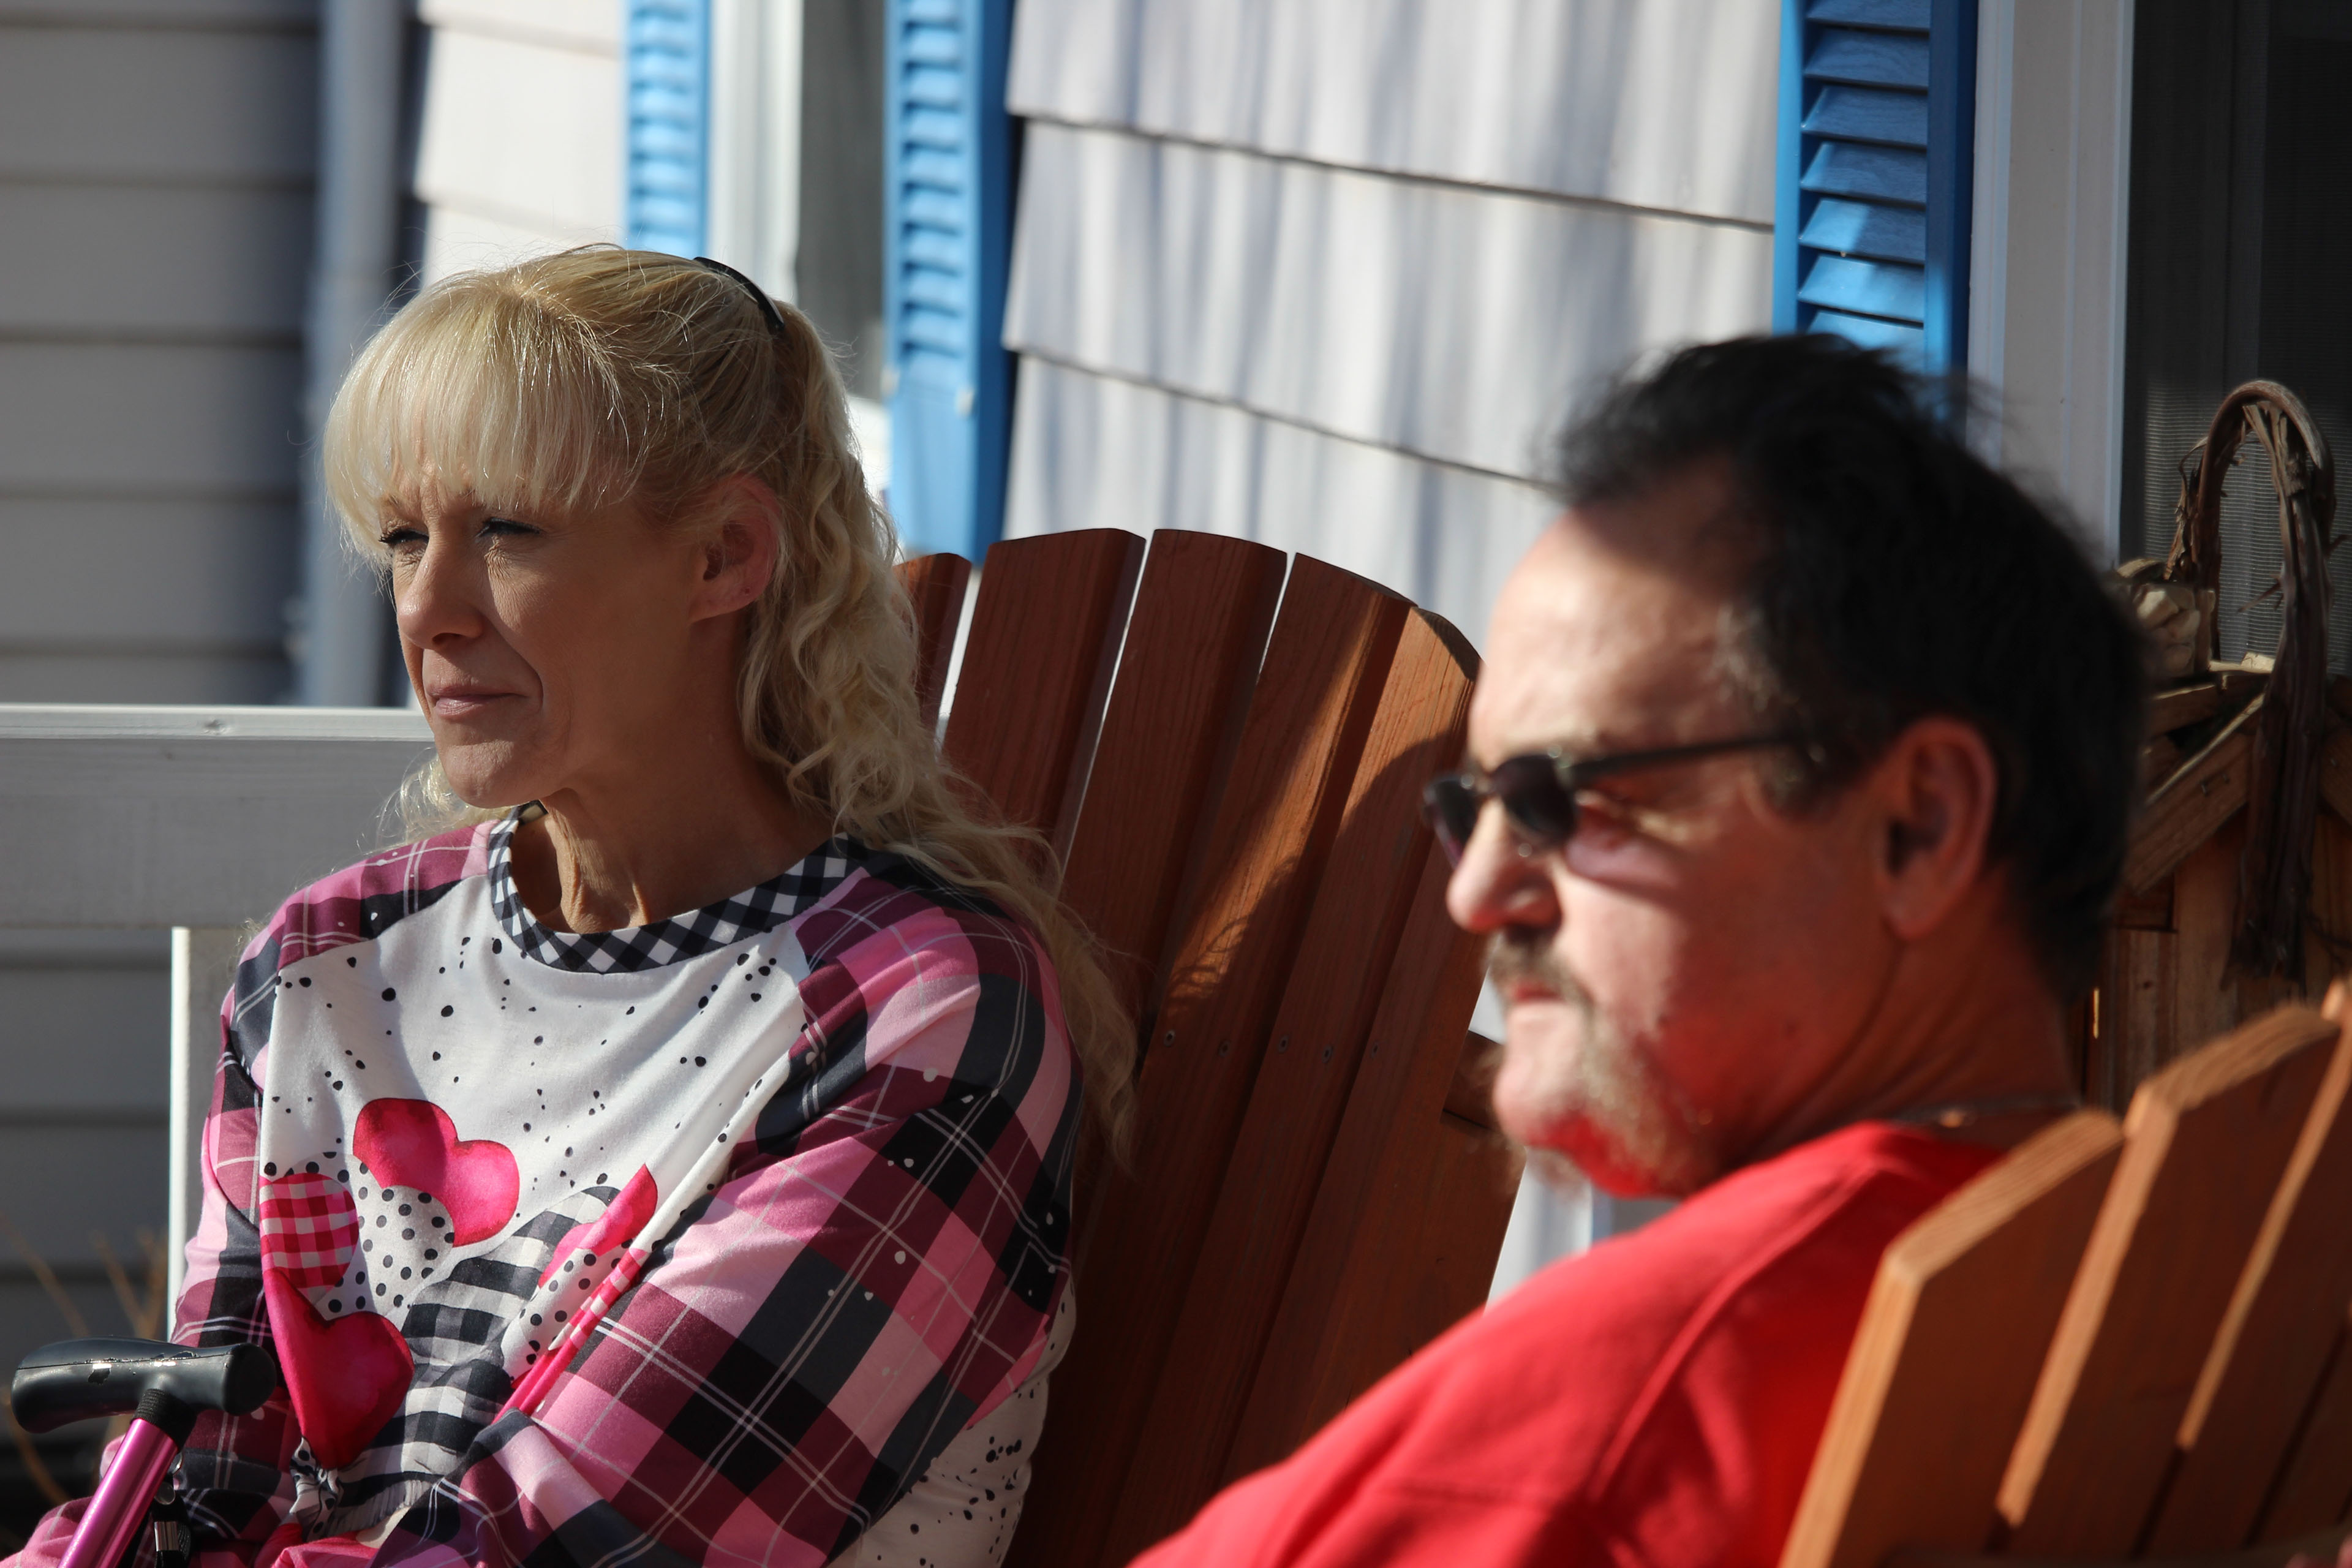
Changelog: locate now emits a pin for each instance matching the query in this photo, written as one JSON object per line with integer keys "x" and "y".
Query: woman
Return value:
{"x": 670, "y": 1157}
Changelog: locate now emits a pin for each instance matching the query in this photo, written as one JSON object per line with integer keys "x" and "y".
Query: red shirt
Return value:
{"x": 1655, "y": 1401}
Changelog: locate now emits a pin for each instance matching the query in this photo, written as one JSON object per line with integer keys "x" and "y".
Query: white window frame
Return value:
{"x": 2049, "y": 239}
{"x": 753, "y": 222}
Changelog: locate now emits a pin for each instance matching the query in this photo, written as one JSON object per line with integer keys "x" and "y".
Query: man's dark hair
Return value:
{"x": 1882, "y": 573}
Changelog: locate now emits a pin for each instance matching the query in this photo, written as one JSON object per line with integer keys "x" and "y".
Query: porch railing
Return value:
{"x": 197, "y": 820}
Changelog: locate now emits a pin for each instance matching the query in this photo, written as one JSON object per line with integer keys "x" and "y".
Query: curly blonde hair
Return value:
{"x": 599, "y": 375}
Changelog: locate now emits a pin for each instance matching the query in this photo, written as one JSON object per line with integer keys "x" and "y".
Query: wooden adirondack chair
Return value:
{"x": 2119, "y": 1342}
{"x": 1315, "y": 1189}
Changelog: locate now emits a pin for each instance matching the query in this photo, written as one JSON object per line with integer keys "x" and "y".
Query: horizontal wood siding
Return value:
{"x": 1091, "y": 451}
{"x": 1450, "y": 321}
{"x": 1666, "y": 104}
{"x": 1328, "y": 274}
{"x": 156, "y": 236}
{"x": 519, "y": 149}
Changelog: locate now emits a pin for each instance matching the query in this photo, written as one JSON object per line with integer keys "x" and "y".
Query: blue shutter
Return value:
{"x": 1877, "y": 127}
{"x": 947, "y": 232}
{"x": 666, "y": 59}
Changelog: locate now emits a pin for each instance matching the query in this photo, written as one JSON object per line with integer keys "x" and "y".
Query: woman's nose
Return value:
{"x": 1499, "y": 883}
{"x": 437, "y": 601}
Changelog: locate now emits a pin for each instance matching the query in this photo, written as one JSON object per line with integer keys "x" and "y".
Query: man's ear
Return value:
{"x": 1936, "y": 790}
{"x": 737, "y": 544}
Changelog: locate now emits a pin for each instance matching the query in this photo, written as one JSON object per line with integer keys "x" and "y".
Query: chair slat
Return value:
{"x": 1324, "y": 672}
{"x": 1193, "y": 647}
{"x": 1445, "y": 1270}
{"x": 935, "y": 584}
{"x": 1302, "y": 1087}
{"x": 1036, "y": 667}
{"x": 2289, "y": 1308}
{"x": 2315, "y": 1487}
{"x": 1942, "y": 1367}
{"x": 2205, "y": 1141}
{"x": 1359, "y": 1300}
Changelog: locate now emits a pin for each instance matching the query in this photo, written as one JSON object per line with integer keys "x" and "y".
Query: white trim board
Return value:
{"x": 754, "y": 222}
{"x": 2048, "y": 242}
{"x": 128, "y": 816}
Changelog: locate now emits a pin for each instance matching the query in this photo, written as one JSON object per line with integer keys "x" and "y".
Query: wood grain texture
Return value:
{"x": 2149, "y": 910}
{"x": 2184, "y": 811}
{"x": 2205, "y": 1141}
{"x": 1193, "y": 647}
{"x": 1325, "y": 668}
{"x": 935, "y": 588}
{"x": 2273, "y": 1342}
{"x": 1443, "y": 1270}
{"x": 1364, "y": 1294}
{"x": 2229, "y": 689}
{"x": 2169, "y": 710}
{"x": 1036, "y": 667}
{"x": 2315, "y": 1487}
{"x": 1302, "y": 1087}
{"x": 2137, "y": 1013}
{"x": 2206, "y": 1002}
{"x": 2335, "y": 772}
{"x": 1942, "y": 1367}
{"x": 1470, "y": 1097}
{"x": 2327, "y": 919}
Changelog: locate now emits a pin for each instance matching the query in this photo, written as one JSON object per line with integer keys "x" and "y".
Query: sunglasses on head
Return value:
{"x": 1538, "y": 791}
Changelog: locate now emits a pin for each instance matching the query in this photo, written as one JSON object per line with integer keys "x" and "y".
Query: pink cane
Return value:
{"x": 163, "y": 1388}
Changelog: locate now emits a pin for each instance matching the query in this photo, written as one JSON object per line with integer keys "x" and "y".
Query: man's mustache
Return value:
{"x": 1517, "y": 956}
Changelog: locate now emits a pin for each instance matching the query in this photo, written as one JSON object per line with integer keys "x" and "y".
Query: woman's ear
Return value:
{"x": 737, "y": 545}
{"x": 1936, "y": 790}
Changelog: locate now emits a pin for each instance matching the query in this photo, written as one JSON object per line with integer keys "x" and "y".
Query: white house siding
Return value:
{"x": 155, "y": 221}
{"x": 1329, "y": 273}
{"x": 155, "y": 232}
{"x": 520, "y": 148}
{"x": 1381, "y": 251}
{"x": 1095, "y": 451}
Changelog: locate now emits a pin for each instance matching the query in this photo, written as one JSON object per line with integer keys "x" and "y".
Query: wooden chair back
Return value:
{"x": 1227, "y": 750}
{"x": 2119, "y": 1342}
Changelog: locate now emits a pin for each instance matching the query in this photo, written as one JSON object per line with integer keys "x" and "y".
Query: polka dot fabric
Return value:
{"x": 720, "y": 1238}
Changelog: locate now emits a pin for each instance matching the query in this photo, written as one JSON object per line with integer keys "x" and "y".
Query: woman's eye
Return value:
{"x": 399, "y": 537}
{"x": 506, "y": 527}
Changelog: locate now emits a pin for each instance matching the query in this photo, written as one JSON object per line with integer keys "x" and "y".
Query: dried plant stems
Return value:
{"x": 47, "y": 1276}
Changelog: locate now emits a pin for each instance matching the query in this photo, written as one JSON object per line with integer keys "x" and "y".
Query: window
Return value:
{"x": 2240, "y": 220}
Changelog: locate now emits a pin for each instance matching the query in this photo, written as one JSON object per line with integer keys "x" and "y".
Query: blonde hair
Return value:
{"x": 597, "y": 375}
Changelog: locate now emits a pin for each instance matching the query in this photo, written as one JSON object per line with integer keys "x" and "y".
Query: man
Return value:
{"x": 1799, "y": 776}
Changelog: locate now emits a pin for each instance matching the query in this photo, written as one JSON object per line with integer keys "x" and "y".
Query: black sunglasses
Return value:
{"x": 1539, "y": 789}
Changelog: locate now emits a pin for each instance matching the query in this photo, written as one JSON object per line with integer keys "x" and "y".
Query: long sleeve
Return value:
{"x": 859, "y": 1289}
{"x": 845, "y": 1241}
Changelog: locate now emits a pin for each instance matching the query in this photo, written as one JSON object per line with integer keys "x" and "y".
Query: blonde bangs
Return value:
{"x": 480, "y": 389}
{"x": 598, "y": 375}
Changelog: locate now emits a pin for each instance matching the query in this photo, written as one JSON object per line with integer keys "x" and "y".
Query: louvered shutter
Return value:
{"x": 947, "y": 232}
{"x": 1877, "y": 123}
{"x": 666, "y": 61}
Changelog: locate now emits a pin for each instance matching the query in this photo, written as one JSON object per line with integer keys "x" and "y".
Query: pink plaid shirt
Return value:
{"x": 693, "y": 1242}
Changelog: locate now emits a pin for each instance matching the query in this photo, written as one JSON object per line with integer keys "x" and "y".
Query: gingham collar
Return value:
{"x": 779, "y": 899}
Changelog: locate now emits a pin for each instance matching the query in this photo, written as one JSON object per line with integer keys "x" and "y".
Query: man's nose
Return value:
{"x": 1498, "y": 883}
{"x": 439, "y": 602}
